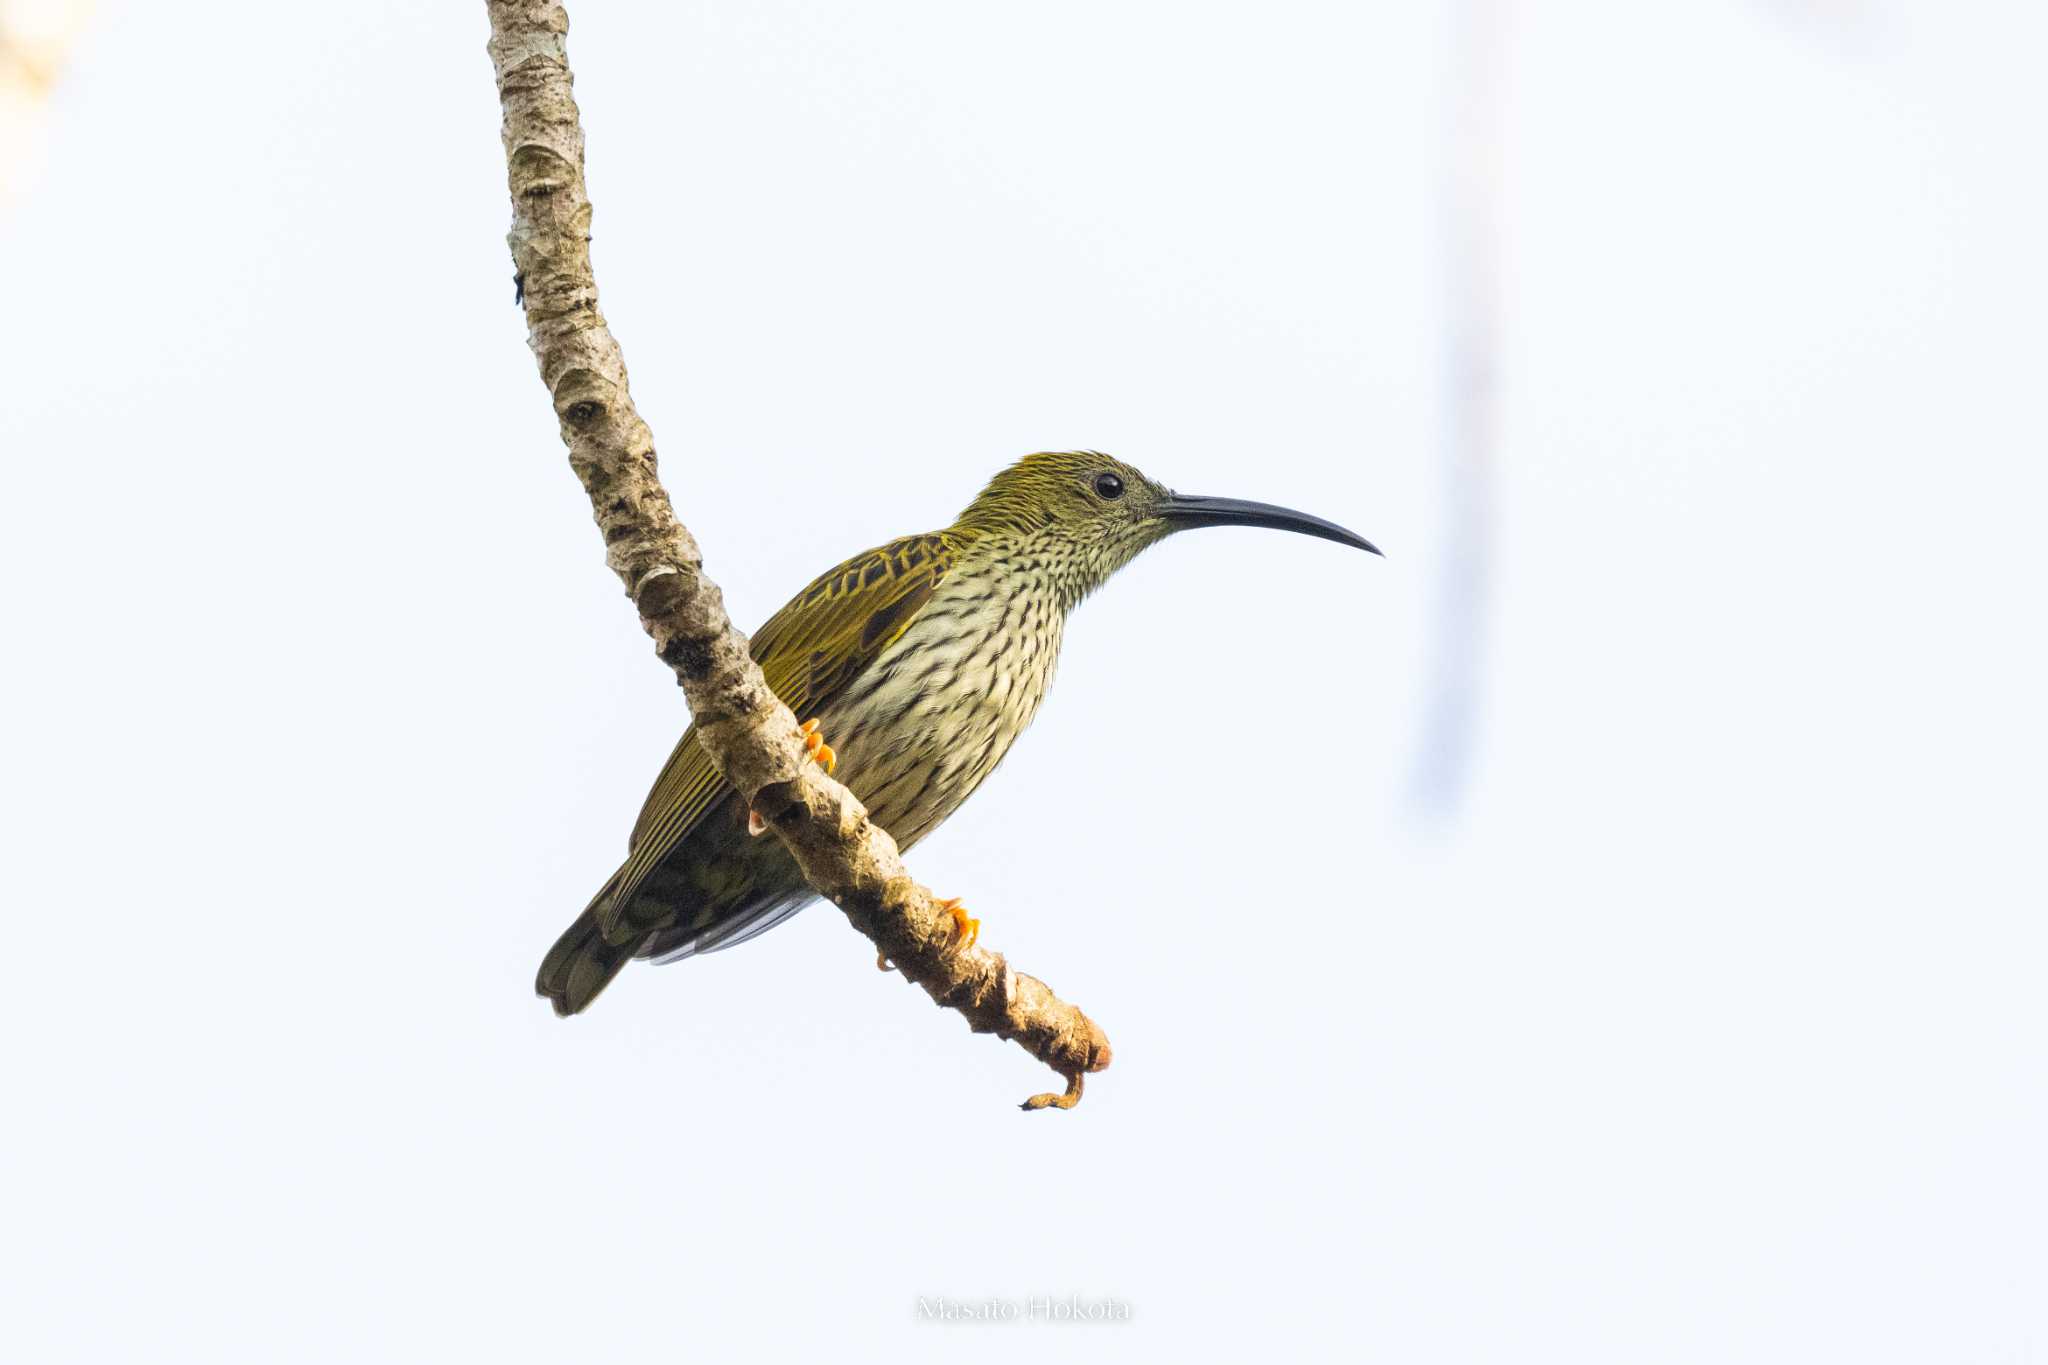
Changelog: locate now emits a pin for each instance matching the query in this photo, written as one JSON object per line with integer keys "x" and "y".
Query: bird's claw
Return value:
{"x": 819, "y": 749}
{"x": 966, "y": 929}
{"x": 821, "y": 754}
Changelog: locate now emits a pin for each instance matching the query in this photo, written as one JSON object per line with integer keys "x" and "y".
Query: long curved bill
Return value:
{"x": 1184, "y": 510}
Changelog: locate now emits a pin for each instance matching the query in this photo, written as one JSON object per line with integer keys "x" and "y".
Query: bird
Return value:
{"x": 916, "y": 665}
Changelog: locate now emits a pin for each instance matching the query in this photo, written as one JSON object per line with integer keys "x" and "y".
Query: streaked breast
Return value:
{"x": 935, "y": 714}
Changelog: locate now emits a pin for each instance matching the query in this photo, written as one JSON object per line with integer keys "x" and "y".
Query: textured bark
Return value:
{"x": 749, "y": 733}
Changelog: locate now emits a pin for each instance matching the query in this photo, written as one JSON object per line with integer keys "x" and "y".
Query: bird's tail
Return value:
{"x": 583, "y": 960}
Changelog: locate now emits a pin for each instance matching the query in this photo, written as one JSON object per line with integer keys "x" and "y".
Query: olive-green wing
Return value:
{"x": 809, "y": 651}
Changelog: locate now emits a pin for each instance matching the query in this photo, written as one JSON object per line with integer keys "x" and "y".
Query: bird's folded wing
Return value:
{"x": 809, "y": 651}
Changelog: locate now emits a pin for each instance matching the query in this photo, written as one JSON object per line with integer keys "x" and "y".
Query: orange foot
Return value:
{"x": 965, "y": 927}
{"x": 820, "y": 753}
{"x": 815, "y": 742}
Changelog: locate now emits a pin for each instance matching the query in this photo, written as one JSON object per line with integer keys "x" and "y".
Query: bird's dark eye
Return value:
{"x": 1108, "y": 486}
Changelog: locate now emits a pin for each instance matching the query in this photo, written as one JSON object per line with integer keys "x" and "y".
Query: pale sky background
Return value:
{"x": 1708, "y": 1026}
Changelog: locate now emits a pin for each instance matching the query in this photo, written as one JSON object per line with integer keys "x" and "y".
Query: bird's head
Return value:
{"x": 1090, "y": 514}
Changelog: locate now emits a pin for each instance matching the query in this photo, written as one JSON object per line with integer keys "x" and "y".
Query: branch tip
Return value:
{"x": 1049, "y": 1100}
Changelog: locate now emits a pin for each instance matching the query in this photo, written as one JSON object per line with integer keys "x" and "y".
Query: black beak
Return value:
{"x": 1181, "y": 510}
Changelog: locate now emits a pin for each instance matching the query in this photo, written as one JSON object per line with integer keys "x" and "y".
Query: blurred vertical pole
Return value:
{"x": 35, "y": 38}
{"x": 1468, "y": 173}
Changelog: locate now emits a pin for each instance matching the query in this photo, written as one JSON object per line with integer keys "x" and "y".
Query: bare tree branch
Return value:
{"x": 750, "y": 735}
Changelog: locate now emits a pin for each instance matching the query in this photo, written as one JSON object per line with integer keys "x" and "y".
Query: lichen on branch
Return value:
{"x": 748, "y": 732}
